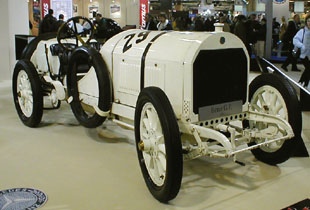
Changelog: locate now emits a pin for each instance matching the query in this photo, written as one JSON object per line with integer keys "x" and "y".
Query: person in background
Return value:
{"x": 288, "y": 36}
{"x": 212, "y": 20}
{"x": 198, "y": 24}
{"x": 275, "y": 32}
{"x": 226, "y": 27}
{"x": 150, "y": 23}
{"x": 180, "y": 24}
{"x": 60, "y": 20}
{"x": 30, "y": 27}
{"x": 283, "y": 26}
{"x": 240, "y": 29}
{"x": 302, "y": 40}
{"x": 163, "y": 23}
{"x": 233, "y": 24}
{"x": 76, "y": 25}
{"x": 207, "y": 24}
{"x": 252, "y": 27}
{"x": 101, "y": 27}
{"x": 261, "y": 39}
{"x": 48, "y": 23}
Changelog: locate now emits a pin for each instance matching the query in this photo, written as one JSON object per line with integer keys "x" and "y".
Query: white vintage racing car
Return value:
{"x": 185, "y": 95}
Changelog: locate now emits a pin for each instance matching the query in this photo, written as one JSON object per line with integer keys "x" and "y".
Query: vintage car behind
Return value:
{"x": 185, "y": 94}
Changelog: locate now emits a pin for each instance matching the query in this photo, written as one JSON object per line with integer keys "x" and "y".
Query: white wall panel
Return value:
{"x": 280, "y": 10}
{"x": 132, "y": 12}
{"x": 18, "y": 24}
{"x": 4, "y": 42}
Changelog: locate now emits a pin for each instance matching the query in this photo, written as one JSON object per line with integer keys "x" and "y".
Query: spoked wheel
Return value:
{"x": 158, "y": 144}
{"x": 271, "y": 94}
{"x": 27, "y": 93}
{"x": 70, "y": 29}
{"x": 89, "y": 84}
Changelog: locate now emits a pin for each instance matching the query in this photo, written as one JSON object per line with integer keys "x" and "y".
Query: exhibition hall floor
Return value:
{"x": 97, "y": 169}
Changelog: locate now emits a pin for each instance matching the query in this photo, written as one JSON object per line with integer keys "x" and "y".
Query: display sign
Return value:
{"x": 45, "y": 6}
{"x": 299, "y": 6}
{"x": 93, "y": 10}
{"x": 144, "y": 10}
{"x": 62, "y": 7}
{"x": 36, "y": 12}
{"x": 115, "y": 11}
{"x": 279, "y": 1}
{"x": 219, "y": 110}
{"x": 238, "y": 8}
{"x": 75, "y": 10}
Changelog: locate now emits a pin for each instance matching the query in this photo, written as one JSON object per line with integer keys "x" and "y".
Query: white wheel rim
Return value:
{"x": 24, "y": 93}
{"x": 151, "y": 133}
{"x": 269, "y": 100}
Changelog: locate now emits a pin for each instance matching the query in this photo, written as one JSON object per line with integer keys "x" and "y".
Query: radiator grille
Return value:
{"x": 219, "y": 76}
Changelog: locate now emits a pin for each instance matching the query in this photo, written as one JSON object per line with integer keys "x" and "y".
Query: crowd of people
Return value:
{"x": 251, "y": 30}
{"x": 104, "y": 28}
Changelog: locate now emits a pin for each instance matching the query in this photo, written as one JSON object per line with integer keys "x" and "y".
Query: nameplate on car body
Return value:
{"x": 219, "y": 110}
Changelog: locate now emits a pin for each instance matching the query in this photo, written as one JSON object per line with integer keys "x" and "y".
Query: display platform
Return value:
{"x": 80, "y": 168}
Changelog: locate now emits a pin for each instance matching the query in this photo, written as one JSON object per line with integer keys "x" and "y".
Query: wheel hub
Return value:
{"x": 24, "y": 93}
{"x": 152, "y": 144}
{"x": 269, "y": 100}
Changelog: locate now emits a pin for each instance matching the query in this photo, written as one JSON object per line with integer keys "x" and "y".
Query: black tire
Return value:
{"x": 172, "y": 141}
{"x": 32, "y": 46}
{"x": 37, "y": 109}
{"x": 294, "y": 117}
{"x": 89, "y": 57}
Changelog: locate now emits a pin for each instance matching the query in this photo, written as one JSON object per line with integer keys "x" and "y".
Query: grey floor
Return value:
{"x": 80, "y": 168}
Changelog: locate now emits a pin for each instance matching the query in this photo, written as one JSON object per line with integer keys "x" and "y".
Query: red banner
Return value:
{"x": 144, "y": 10}
{"x": 45, "y": 6}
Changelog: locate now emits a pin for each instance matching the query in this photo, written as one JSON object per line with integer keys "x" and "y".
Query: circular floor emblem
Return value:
{"x": 21, "y": 198}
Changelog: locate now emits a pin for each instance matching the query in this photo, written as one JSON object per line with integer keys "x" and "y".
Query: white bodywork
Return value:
{"x": 137, "y": 59}
{"x": 39, "y": 57}
{"x": 169, "y": 65}
{"x": 165, "y": 67}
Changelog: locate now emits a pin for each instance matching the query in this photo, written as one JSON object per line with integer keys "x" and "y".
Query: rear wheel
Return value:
{"x": 274, "y": 95}
{"x": 89, "y": 85}
{"x": 27, "y": 93}
{"x": 158, "y": 144}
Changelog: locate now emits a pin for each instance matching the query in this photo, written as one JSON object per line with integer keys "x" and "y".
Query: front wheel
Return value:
{"x": 27, "y": 93}
{"x": 272, "y": 94}
{"x": 158, "y": 144}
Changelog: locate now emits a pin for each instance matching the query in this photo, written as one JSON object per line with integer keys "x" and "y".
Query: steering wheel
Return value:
{"x": 69, "y": 29}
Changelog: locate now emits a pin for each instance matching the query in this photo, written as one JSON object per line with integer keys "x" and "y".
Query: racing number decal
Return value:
{"x": 144, "y": 36}
{"x": 140, "y": 38}
{"x": 128, "y": 45}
